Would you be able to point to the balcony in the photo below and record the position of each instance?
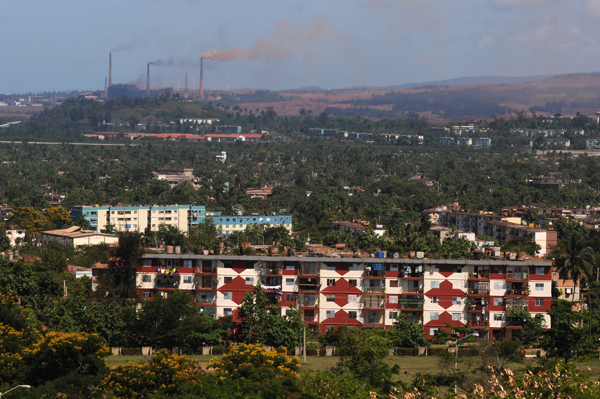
(374, 302)
(374, 274)
(478, 323)
(270, 271)
(478, 291)
(413, 317)
(206, 270)
(481, 275)
(517, 292)
(511, 275)
(308, 317)
(517, 306)
(412, 304)
(205, 283)
(314, 303)
(478, 307)
(205, 301)
(167, 282)
(515, 322)
(309, 284)
(367, 289)
(412, 275)
(309, 271)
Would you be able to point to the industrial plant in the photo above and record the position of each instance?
(131, 90)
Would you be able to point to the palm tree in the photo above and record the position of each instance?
(575, 260)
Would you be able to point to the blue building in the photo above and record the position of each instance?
(231, 224)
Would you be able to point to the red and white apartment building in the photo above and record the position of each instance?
(361, 292)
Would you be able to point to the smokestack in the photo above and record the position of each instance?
(148, 81)
(201, 78)
(109, 69)
(104, 84)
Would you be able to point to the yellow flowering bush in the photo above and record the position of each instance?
(165, 373)
(251, 368)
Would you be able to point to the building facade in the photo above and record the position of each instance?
(362, 292)
(184, 217)
(138, 217)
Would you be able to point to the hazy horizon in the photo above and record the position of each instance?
(285, 45)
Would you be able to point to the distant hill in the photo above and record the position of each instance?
(469, 81)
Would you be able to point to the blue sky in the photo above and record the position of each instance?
(63, 45)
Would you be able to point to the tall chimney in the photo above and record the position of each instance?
(148, 81)
(109, 69)
(201, 78)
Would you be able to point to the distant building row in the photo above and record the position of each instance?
(481, 142)
(184, 217)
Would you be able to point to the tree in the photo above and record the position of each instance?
(565, 338)
(4, 241)
(120, 281)
(57, 218)
(406, 334)
(253, 316)
(574, 259)
(567, 228)
(203, 235)
(366, 360)
(109, 229)
(533, 328)
(522, 244)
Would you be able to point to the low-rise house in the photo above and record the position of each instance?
(76, 236)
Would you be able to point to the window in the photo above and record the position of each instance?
(393, 299)
(539, 286)
(290, 281)
(147, 262)
(146, 279)
(187, 263)
(228, 296)
(539, 301)
(146, 294)
(331, 267)
(290, 267)
(290, 297)
(457, 269)
(539, 270)
(330, 298)
(352, 283)
(498, 270)
(394, 268)
(393, 315)
(353, 267)
(227, 312)
(330, 314)
(435, 269)
(330, 282)
(228, 280)
(434, 315)
(433, 331)
(435, 284)
(456, 316)
(187, 279)
(498, 301)
(435, 299)
(499, 285)
(456, 300)
(393, 283)
(352, 314)
(497, 316)
(249, 265)
(249, 280)
(228, 264)
(352, 298)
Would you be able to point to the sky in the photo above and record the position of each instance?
(284, 44)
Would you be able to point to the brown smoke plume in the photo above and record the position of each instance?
(284, 41)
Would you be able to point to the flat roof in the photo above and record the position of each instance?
(259, 258)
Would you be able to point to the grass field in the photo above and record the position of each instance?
(409, 365)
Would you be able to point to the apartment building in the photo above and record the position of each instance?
(362, 292)
(231, 224)
(499, 227)
(140, 217)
